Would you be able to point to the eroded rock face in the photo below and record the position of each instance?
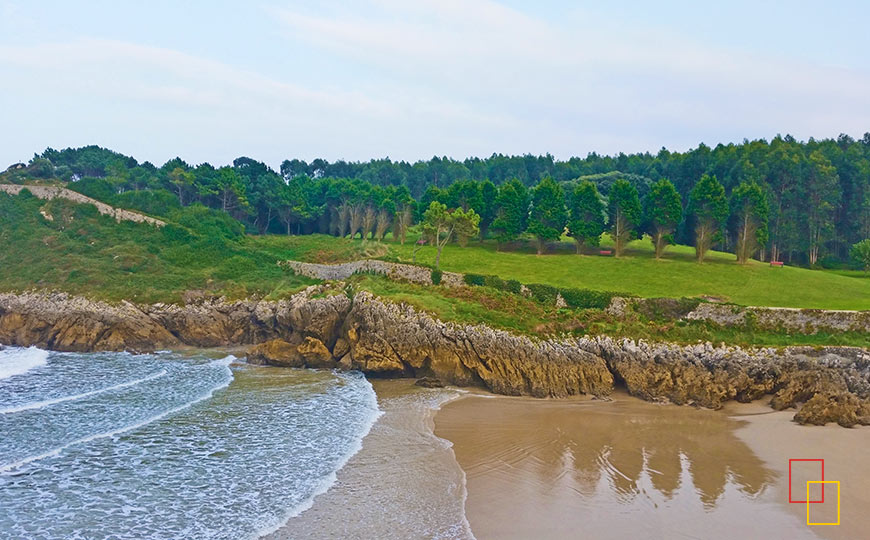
(708, 376)
(394, 339)
(68, 323)
(318, 329)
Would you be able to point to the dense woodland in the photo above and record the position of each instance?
(802, 202)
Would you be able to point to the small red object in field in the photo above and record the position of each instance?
(605, 252)
(776, 263)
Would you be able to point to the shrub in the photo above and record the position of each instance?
(587, 299)
(436, 277)
(158, 202)
(235, 267)
(513, 286)
(496, 283)
(208, 222)
(95, 188)
(666, 308)
(476, 280)
(543, 293)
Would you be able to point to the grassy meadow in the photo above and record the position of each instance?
(82, 252)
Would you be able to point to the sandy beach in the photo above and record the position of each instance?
(628, 468)
(404, 483)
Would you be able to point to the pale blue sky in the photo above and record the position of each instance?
(212, 80)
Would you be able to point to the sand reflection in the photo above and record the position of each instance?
(556, 462)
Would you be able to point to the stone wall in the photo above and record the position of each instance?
(407, 272)
(805, 321)
(53, 192)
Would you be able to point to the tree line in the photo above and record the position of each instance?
(799, 201)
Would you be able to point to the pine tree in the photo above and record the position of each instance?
(623, 211)
(586, 215)
(749, 214)
(709, 208)
(548, 216)
(662, 212)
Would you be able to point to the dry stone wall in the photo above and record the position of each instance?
(54, 192)
(407, 272)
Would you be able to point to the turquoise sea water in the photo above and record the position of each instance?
(114, 445)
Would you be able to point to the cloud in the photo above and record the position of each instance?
(410, 80)
(587, 68)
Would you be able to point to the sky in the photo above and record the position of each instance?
(409, 79)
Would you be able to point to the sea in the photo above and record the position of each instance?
(168, 445)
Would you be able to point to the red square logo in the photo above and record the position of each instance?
(822, 464)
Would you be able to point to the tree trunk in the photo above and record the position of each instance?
(579, 244)
(438, 256)
(540, 246)
(660, 240)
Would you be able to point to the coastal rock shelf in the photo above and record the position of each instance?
(321, 329)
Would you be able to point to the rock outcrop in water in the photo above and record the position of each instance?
(318, 328)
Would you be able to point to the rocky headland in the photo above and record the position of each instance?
(323, 327)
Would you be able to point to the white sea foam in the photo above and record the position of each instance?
(17, 361)
(55, 401)
(224, 362)
(327, 482)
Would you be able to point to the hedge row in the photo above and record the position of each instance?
(547, 294)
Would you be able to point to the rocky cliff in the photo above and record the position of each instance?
(319, 328)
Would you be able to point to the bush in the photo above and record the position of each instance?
(543, 293)
(436, 277)
(158, 202)
(513, 286)
(208, 223)
(95, 188)
(476, 280)
(496, 283)
(667, 309)
(235, 268)
(587, 299)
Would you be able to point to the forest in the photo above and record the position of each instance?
(805, 203)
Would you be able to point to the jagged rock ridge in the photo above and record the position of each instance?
(318, 328)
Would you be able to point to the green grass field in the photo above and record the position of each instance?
(82, 252)
(637, 273)
(676, 275)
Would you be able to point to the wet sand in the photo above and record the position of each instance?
(628, 468)
(403, 483)
(775, 439)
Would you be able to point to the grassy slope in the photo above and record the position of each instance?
(498, 309)
(82, 252)
(676, 275)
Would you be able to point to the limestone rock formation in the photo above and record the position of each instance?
(322, 327)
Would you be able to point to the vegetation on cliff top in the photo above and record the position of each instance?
(70, 247)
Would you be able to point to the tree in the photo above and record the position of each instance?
(585, 215)
(386, 210)
(487, 211)
(467, 225)
(230, 188)
(623, 213)
(183, 182)
(512, 211)
(404, 212)
(860, 253)
(749, 214)
(292, 206)
(709, 208)
(438, 226)
(662, 212)
(819, 194)
(547, 216)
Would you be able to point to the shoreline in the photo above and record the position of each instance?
(404, 482)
